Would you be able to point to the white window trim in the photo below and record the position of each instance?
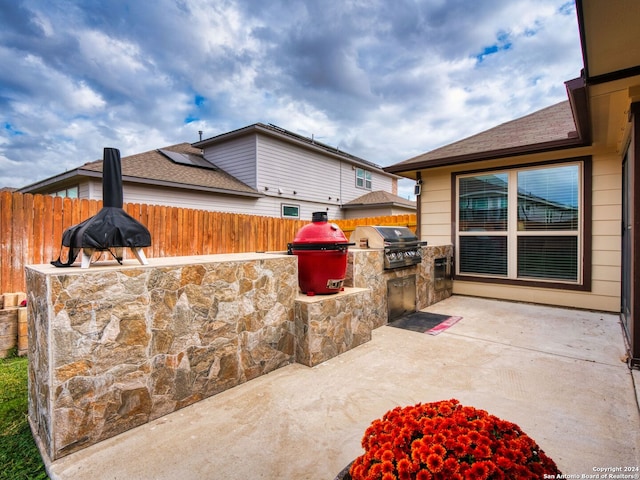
(289, 205)
(362, 174)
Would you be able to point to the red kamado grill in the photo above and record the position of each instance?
(321, 248)
(401, 246)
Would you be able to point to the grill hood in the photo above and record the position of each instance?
(111, 229)
(374, 236)
(401, 246)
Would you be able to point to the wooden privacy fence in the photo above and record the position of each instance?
(31, 228)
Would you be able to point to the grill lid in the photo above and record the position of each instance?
(319, 235)
(375, 236)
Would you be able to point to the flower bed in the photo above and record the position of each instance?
(446, 440)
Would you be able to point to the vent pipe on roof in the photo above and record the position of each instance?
(200, 133)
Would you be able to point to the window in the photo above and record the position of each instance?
(363, 178)
(71, 192)
(290, 211)
(522, 224)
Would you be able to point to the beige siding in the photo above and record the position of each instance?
(435, 223)
(601, 299)
(606, 217)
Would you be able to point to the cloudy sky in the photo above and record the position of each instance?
(381, 79)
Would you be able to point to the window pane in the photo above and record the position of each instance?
(291, 211)
(548, 199)
(548, 257)
(482, 202)
(483, 254)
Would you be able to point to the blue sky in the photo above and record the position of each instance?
(383, 80)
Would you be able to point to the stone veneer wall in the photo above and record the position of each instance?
(328, 325)
(113, 348)
(365, 269)
(430, 253)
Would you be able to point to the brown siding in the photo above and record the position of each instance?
(31, 228)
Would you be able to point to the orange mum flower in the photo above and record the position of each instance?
(424, 475)
(387, 456)
(434, 462)
(387, 467)
(481, 451)
(479, 471)
(449, 441)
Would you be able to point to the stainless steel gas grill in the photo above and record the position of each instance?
(401, 246)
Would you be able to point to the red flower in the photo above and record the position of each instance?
(438, 449)
(481, 451)
(474, 436)
(445, 440)
(479, 471)
(387, 467)
(459, 449)
(423, 475)
(387, 456)
(434, 462)
(504, 463)
(404, 475)
(404, 465)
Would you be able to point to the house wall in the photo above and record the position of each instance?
(313, 176)
(283, 173)
(154, 195)
(269, 205)
(237, 157)
(436, 228)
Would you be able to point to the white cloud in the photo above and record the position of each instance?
(383, 80)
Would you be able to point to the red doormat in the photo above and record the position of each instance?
(442, 326)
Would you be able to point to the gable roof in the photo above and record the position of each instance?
(281, 134)
(547, 129)
(378, 199)
(155, 168)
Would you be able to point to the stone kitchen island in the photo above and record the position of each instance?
(112, 347)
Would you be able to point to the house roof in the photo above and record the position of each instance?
(292, 138)
(155, 168)
(547, 129)
(379, 198)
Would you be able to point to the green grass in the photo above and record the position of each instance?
(19, 456)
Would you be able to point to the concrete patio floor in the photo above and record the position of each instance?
(558, 373)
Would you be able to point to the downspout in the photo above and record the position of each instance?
(419, 206)
(340, 188)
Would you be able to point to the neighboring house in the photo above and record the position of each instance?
(378, 203)
(259, 170)
(543, 208)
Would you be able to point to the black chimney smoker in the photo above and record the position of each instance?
(111, 229)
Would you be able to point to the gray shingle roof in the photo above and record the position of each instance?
(154, 167)
(378, 198)
(551, 127)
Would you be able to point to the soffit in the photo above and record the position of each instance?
(611, 52)
(609, 105)
(610, 39)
